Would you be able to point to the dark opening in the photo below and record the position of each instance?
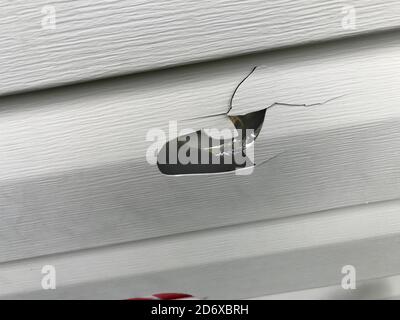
(216, 156)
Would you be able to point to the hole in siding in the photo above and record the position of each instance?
(211, 151)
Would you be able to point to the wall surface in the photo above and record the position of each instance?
(95, 39)
(77, 192)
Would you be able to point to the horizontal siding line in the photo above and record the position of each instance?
(73, 167)
(201, 256)
(101, 39)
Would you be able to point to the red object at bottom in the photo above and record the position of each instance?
(165, 296)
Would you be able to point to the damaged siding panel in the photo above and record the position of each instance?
(67, 41)
(264, 258)
(74, 172)
(130, 200)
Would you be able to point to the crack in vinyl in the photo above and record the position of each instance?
(220, 154)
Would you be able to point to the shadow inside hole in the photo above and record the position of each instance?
(199, 153)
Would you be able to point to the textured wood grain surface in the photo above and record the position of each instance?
(74, 173)
(386, 288)
(95, 39)
(233, 262)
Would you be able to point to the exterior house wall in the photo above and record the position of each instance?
(77, 192)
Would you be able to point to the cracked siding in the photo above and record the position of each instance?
(86, 178)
